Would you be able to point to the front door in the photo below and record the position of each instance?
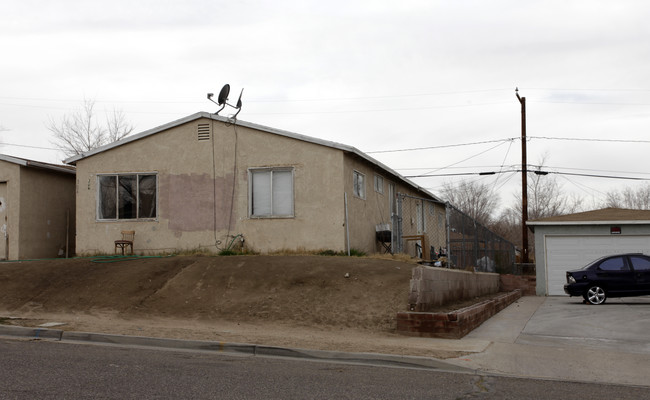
(4, 234)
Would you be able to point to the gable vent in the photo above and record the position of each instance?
(203, 131)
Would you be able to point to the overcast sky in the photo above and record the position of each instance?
(377, 75)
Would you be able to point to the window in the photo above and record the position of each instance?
(379, 184)
(613, 264)
(271, 192)
(128, 196)
(640, 263)
(359, 184)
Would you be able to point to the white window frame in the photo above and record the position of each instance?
(379, 184)
(271, 170)
(358, 189)
(137, 208)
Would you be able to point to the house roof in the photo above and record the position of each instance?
(605, 216)
(23, 162)
(309, 139)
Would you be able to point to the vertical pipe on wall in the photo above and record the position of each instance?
(67, 232)
(448, 241)
(347, 227)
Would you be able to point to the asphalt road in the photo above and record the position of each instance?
(56, 370)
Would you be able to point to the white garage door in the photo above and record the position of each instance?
(564, 253)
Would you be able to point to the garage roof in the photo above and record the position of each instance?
(605, 216)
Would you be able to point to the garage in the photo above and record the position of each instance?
(571, 241)
(564, 253)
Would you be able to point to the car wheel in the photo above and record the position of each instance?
(595, 295)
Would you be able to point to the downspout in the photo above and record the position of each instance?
(448, 242)
(67, 232)
(347, 226)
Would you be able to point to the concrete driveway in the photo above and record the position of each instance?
(621, 324)
(560, 338)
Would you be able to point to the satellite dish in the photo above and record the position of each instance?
(223, 94)
(222, 100)
(238, 106)
(239, 100)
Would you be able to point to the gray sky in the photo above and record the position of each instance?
(377, 75)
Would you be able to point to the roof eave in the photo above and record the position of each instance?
(73, 160)
(36, 164)
(610, 222)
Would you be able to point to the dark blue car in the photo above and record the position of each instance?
(619, 275)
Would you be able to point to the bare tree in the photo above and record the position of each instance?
(545, 199)
(638, 198)
(474, 199)
(81, 130)
(545, 196)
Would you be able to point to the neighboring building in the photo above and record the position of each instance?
(571, 241)
(37, 209)
(199, 181)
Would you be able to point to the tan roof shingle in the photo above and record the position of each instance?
(612, 215)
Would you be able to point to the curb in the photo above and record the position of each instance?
(233, 348)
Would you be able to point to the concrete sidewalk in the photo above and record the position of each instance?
(556, 338)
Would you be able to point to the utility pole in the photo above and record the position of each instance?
(524, 182)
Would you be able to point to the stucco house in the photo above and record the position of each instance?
(204, 182)
(572, 241)
(37, 209)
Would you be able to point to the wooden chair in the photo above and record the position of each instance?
(125, 242)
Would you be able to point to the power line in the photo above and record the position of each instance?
(600, 103)
(387, 96)
(440, 147)
(590, 139)
(27, 146)
(538, 172)
(506, 140)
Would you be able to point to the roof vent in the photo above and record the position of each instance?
(203, 131)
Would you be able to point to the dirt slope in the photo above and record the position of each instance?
(309, 291)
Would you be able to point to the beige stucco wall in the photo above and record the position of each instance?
(36, 209)
(365, 214)
(196, 192)
(47, 212)
(10, 174)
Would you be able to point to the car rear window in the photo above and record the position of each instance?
(614, 264)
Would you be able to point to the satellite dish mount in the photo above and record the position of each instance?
(222, 100)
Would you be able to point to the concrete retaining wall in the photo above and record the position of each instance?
(526, 283)
(455, 324)
(431, 286)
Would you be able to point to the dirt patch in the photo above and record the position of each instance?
(330, 303)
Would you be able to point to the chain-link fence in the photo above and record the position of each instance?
(437, 231)
(472, 245)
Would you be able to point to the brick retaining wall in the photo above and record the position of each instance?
(455, 324)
